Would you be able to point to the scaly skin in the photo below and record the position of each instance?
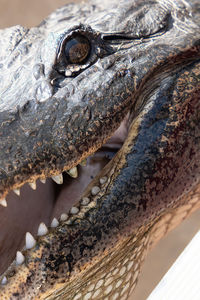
(49, 123)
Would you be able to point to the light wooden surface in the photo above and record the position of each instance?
(182, 279)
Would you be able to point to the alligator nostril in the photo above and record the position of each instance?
(43, 90)
(38, 71)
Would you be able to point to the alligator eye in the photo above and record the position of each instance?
(77, 49)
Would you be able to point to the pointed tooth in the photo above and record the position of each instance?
(68, 73)
(63, 217)
(19, 258)
(30, 241)
(42, 229)
(33, 185)
(3, 202)
(4, 280)
(54, 223)
(58, 179)
(74, 210)
(43, 180)
(73, 172)
(95, 190)
(85, 201)
(103, 180)
(83, 163)
(17, 192)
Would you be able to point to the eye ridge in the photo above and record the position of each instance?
(77, 49)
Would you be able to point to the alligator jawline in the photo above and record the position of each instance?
(51, 201)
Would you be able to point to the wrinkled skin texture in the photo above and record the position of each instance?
(145, 60)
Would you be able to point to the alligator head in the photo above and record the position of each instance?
(116, 86)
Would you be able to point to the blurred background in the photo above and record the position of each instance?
(30, 13)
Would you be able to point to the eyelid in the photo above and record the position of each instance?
(69, 68)
(98, 49)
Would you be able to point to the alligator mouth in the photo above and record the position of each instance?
(51, 201)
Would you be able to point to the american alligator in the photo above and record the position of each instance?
(115, 85)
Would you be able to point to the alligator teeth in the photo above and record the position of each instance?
(3, 202)
(33, 185)
(43, 180)
(95, 190)
(42, 229)
(83, 163)
(54, 223)
(19, 258)
(103, 180)
(58, 179)
(73, 172)
(63, 217)
(17, 192)
(30, 241)
(68, 73)
(85, 201)
(74, 210)
(4, 280)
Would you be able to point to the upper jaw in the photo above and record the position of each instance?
(41, 137)
(52, 121)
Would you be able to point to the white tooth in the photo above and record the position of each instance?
(103, 180)
(95, 190)
(43, 180)
(74, 210)
(30, 241)
(42, 229)
(4, 280)
(17, 192)
(3, 202)
(58, 179)
(19, 258)
(54, 223)
(68, 73)
(33, 185)
(73, 172)
(63, 217)
(85, 201)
